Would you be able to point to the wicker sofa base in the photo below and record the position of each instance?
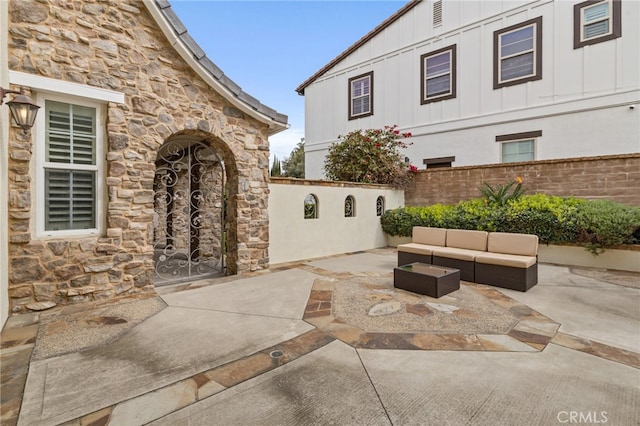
(501, 259)
(520, 279)
(405, 258)
(466, 267)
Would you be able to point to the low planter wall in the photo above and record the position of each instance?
(395, 241)
(617, 259)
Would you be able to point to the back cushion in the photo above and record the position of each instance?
(465, 239)
(520, 244)
(429, 236)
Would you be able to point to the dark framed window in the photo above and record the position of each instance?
(595, 21)
(380, 202)
(439, 162)
(361, 96)
(517, 53)
(311, 207)
(518, 147)
(350, 206)
(438, 75)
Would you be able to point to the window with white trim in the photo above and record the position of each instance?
(595, 21)
(518, 53)
(516, 151)
(438, 71)
(70, 167)
(361, 96)
(518, 146)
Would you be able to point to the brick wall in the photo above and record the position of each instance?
(614, 177)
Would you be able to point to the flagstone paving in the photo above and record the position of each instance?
(368, 312)
(316, 342)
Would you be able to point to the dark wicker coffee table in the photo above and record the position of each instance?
(430, 280)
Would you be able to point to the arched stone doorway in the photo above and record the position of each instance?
(189, 226)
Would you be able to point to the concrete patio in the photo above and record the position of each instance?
(329, 341)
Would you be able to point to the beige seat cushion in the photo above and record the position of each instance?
(429, 236)
(467, 239)
(520, 244)
(417, 248)
(511, 260)
(456, 253)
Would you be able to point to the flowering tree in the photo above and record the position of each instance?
(370, 156)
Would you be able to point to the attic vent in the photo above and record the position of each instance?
(437, 13)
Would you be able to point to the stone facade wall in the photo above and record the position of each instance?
(615, 177)
(116, 45)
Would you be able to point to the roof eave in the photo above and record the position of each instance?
(191, 52)
(407, 7)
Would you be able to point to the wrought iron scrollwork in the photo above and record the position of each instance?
(349, 206)
(188, 224)
(380, 206)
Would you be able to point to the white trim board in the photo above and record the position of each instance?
(52, 85)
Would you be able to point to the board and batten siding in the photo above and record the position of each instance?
(581, 104)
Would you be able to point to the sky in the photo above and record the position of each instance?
(270, 47)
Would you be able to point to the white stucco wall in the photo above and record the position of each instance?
(581, 104)
(4, 177)
(292, 237)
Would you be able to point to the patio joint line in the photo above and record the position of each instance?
(231, 312)
(386, 413)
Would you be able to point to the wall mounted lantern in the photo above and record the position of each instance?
(22, 108)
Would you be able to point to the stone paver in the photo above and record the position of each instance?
(238, 350)
(328, 386)
(587, 307)
(367, 312)
(176, 343)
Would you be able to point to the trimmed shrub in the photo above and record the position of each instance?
(603, 223)
(400, 221)
(471, 214)
(551, 218)
(594, 224)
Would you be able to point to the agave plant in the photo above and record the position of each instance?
(499, 195)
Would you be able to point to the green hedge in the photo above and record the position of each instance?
(594, 224)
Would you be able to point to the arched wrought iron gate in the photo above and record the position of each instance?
(188, 226)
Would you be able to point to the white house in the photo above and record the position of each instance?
(483, 82)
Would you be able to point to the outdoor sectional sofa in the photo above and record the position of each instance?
(499, 259)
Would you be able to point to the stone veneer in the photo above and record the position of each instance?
(117, 45)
